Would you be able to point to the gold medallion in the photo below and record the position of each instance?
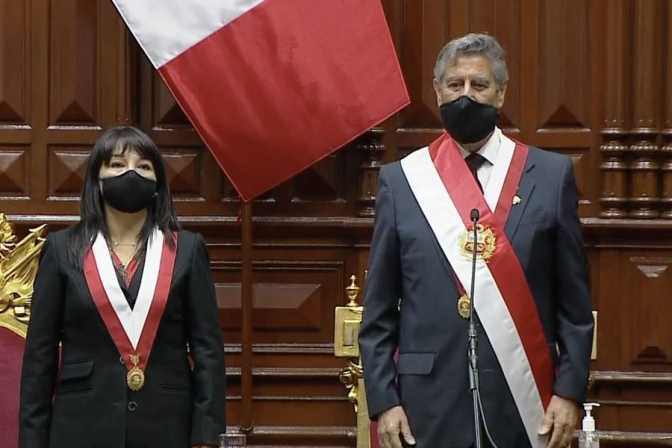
(485, 246)
(464, 306)
(135, 378)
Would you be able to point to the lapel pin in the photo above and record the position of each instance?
(516, 200)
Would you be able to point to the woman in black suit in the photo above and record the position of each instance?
(130, 298)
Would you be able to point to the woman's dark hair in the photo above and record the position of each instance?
(160, 214)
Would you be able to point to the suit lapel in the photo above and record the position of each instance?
(524, 192)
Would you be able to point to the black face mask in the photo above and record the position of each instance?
(129, 192)
(468, 121)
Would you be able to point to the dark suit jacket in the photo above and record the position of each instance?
(92, 405)
(407, 262)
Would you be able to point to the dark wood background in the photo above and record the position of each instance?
(589, 78)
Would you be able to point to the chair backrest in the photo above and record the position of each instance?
(18, 266)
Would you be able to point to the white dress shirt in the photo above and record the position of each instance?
(489, 152)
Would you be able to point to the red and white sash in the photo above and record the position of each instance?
(446, 192)
(133, 330)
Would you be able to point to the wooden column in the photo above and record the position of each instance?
(247, 297)
(646, 95)
(372, 150)
(614, 178)
(667, 126)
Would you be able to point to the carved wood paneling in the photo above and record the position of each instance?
(73, 82)
(67, 170)
(183, 168)
(556, 80)
(293, 300)
(13, 171)
(424, 32)
(322, 182)
(640, 399)
(564, 65)
(614, 168)
(166, 111)
(667, 125)
(13, 61)
(372, 150)
(651, 283)
(646, 108)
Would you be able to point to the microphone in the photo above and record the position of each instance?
(474, 385)
(473, 338)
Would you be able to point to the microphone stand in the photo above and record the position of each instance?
(473, 340)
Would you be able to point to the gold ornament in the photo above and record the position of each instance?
(135, 377)
(485, 247)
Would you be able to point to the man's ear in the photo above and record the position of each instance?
(501, 94)
(437, 90)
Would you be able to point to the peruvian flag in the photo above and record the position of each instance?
(272, 86)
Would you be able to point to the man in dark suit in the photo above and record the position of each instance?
(532, 302)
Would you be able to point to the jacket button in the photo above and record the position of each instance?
(132, 406)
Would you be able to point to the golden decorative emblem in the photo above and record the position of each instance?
(464, 306)
(18, 266)
(135, 377)
(485, 247)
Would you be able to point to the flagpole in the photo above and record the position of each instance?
(246, 307)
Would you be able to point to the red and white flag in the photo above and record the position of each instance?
(272, 86)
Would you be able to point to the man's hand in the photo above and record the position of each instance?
(560, 421)
(390, 424)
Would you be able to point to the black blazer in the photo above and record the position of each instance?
(92, 406)
(407, 262)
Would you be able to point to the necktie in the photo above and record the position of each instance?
(474, 162)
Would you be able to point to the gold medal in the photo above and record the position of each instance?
(464, 306)
(135, 378)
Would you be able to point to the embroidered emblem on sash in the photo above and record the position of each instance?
(485, 246)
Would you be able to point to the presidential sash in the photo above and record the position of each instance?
(446, 192)
(133, 330)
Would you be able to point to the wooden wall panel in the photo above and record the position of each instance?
(666, 197)
(183, 168)
(646, 105)
(589, 79)
(616, 121)
(293, 299)
(422, 37)
(564, 67)
(13, 61)
(13, 170)
(647, 276)
(72, 82)
(67, 170)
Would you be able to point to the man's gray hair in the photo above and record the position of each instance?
(474, 43)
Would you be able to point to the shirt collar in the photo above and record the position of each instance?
(489, 150)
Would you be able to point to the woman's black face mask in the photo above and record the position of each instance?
(129, 192)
